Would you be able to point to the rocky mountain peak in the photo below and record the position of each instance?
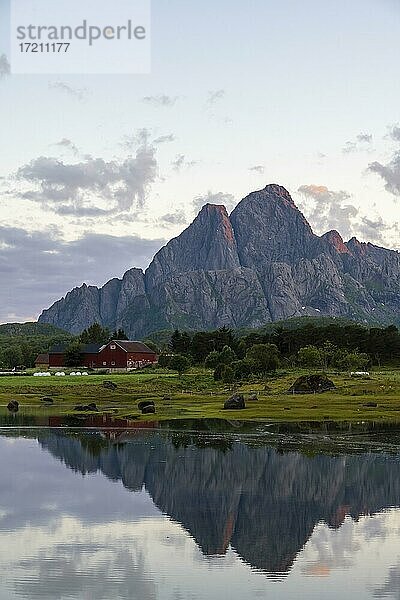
(279, 192)
(261, 263)
(334, 238)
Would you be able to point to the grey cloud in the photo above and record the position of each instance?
(361, 143)
(214, 96)
(331, 210)
(163, 139)
(40, 266)
(365, 138)
(73, 188)
(68, 144)
(181, 163)
(68, 89)
(395, 133)
(260, 169)
(161, 100)
(5, 68)
(227, 200)
(389, 172)
(174, 218)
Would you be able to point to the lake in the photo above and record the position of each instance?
(199, 511)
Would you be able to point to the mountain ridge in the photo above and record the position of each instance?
(261, 263)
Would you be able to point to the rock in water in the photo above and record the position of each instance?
(235, 402)
(13, 406)
(311, 384)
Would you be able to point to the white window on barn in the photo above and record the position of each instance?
(113, 363)
(113, 347)
(104, 364)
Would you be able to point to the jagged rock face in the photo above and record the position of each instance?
(262, 263)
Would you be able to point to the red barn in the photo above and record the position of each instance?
(121, 354)
(117, 354)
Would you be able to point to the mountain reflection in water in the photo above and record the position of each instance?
(229, 494)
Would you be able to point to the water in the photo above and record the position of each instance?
(124, 513)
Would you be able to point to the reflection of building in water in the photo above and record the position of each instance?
(262, 503)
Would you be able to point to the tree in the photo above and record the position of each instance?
(12, 357)
(212, 360)
(164, 360)
(228, 374)
(309, 356)
(119, 334)
(150, 344)
(95, 334)
(180, 342)
(179, 363)
(227, 355)
(265, 358)
(73, 354)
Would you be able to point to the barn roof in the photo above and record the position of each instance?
(85, 348)
(132, 346)
(42, 359)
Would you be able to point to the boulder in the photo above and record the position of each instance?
(13, 406)
(87, 407)
(235, 402)
(143, 403)
(371, 404)
(311, 384)
(47, 400)
(109, 385)
(150, 409)
(253, 397)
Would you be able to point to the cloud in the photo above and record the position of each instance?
(328, 210)
(78, 188)
(389, 172)
(227, 200)
(5, 68)
(163, 139)
(161, 100)
(181, 163)
(174, 218)
(40, 266)
(214, 96)
(395, 133)
(260, 169)
(68, 144)
(362, 143)
(68, 89)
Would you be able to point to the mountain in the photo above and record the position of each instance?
(259, 264)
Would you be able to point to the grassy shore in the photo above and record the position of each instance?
(196, 395)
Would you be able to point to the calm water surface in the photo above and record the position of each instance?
(158, 514)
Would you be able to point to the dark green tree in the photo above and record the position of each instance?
(73, 354)
(179, 363)
(95, 334)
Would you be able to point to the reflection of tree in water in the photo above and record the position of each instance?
(263, 502)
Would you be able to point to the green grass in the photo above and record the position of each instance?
(196, 395)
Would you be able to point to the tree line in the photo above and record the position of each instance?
(343, 347)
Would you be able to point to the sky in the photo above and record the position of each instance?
(98, 171)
